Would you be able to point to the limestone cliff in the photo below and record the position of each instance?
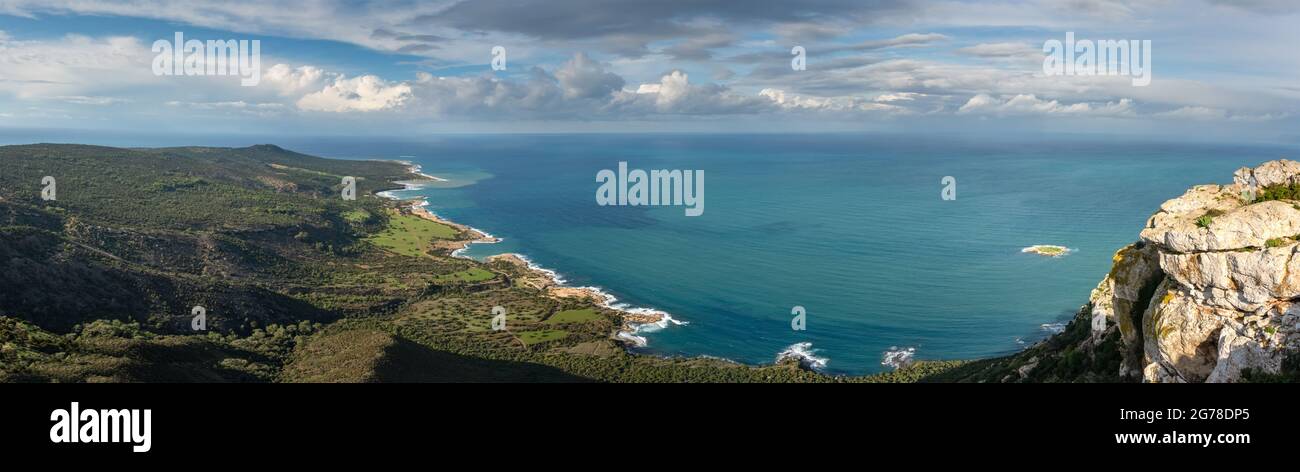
(1210, 292)
(1212, 287)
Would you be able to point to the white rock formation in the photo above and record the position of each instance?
(1227, 274)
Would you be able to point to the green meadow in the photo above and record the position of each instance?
(410, 235)
(469, 275)
(574, 316)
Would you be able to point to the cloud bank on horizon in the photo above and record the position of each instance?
(596, 65)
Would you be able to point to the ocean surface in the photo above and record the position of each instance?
(851, 227)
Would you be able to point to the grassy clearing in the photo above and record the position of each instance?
(410, 235)
(471, 275)
(536, 337)
(305, 171)
(356, 216)
(574, 316)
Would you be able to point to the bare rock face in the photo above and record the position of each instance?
(1227, 229)
(1120, 299)
(1279, 172)
(1207, 291)
(1245, 280)
(1181, 334)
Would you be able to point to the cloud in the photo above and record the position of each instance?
(73, 66)
(898, 97)
(906, 40)
(1195, 113)
(291, 81)
(588, 18)
(834, 104)
(1004, 50)
(1200, 113)
(241, 107)
(1028, 104)
(675, 94)
(581, 77)
(943, 57)
(97, 101)
(364, 93)
(626, 27)
(1263, 7)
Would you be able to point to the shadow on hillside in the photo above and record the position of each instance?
(407, 361)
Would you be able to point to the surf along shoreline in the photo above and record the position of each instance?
(637, 321)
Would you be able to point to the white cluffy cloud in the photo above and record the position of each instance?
(365, 93)
(292, 81)
(799, 102)
(1028, 104)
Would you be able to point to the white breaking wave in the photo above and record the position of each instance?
(805, 354)
(555, 276)
(1053, 328)
(665, 319)
(487, 238)
(897, 357)
(406, 187)
(417, 170)
(610, 301)
(638, 341)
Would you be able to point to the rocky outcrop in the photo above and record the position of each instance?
(1212, 288)
(1121, 298)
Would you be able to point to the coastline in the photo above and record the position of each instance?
(636, 320)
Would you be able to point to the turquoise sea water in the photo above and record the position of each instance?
(852, 228)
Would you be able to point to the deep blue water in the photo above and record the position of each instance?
(850, 227)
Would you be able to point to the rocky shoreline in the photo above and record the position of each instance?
(634, 320)
(453, 247)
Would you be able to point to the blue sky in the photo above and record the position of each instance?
(1219, 69)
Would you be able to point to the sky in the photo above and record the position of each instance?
(1219, 69)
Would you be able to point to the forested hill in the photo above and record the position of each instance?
(191, 188)
(147, 234)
